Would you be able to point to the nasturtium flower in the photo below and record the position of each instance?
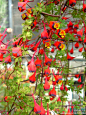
(56, 25)
(62, 33)
(29, 10)
(62, 47)
(47, 44)
(60, 82)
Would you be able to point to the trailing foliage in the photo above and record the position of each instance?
(44, 90)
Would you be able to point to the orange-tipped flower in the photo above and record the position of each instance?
(54, 25)
(61, 33)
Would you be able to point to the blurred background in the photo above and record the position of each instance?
(10, 17)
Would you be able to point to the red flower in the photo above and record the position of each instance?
(1, 57)
(80, 33)
(85, 31)
(52, 92)
(57, 77)
(64, 8)
(3, 50)
(46, 85)
(36, 46)
(56, 2)
(70, 25)
(34, 24)
(42, 109)
(65, 18)
(16, 51)
(76, 26)
(69, 57)
(47, 71)
(37, 108)
(38, 63)
(76, 45)
(41, 51)
(72, 2)
(84, 6)
(32, 78)
(76, 75)
(54, 25)
(85, 40)
(7, 59)
(22, 6)
(59, 45)
(44, 34)
(17, 42)
(71, 51)
(79, 80)
(32, 66)
(5, 99)
(63, 113)
(80, 50)
(62, 87)
(51, 98)
(61, 33)
(48, 78)
(47, 60)
(59, 99)
(66, 88)
(54, 82)
(52, 50)
(80, 86)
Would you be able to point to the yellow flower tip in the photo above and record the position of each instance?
(56, 25)
(62, 46)
(47, 44)
(62, 33)
(29, 10)
(24, 16)
(60, 82)
(62, 36)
